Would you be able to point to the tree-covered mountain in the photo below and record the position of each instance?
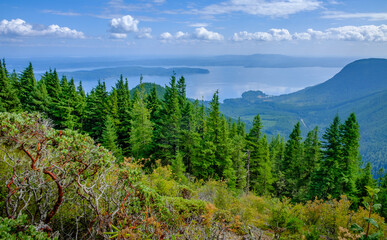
(360, 87)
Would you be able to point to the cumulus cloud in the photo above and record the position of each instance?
(118, 35)
(124, 24)
(199, 34)
(203, 34)
(370, 16)
(274, 8)
(370, 33)
(120, 27)
(272, 35)
(20, 28)
(144, 33)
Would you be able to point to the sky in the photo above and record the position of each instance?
(148, 28)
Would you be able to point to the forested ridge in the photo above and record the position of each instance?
(182, 170)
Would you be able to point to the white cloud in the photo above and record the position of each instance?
(166, 36)
(118, 35)
(198, 25)
(19, 27)
(370, 33)
(124, 24)
(144, 33)
(203, 34)
(60, 13)
(128, 24)
(272, 35)
(370, 16)
(199, 34)
(274, 8)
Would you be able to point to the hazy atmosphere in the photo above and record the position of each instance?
(168, 28)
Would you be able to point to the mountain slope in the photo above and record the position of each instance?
(360, 87)
(357, 79)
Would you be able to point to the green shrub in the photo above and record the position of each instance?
(15, 229)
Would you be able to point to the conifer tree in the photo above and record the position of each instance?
(8, 96)
(326, 180)
(237, 148)
(350, 156)
(265, 178)
(27, 92)
(312, 156)
(168, 128)
(96, 111)
(277, 153)
(109, 137)
(124, 106)
(141, 127)
(292, 166)
(253, 148)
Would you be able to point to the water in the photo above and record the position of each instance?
(230, 81)
(233, 81)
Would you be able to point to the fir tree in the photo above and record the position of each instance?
(27, 92)
(293, 164)
(141, 127)
(109, 137)
(8, 96)
(350, 156)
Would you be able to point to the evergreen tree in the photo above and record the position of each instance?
(365, 179)
(253, 146)
(326, 180)
(312, 156)
(96, 111)
(277, 153)
(141, 127)
(27, 92)
(293, 163)
(350, 156)
(123, 104)
(237, 148)
(168, 128)
(9, 100)
(109, 137)
(265, 178)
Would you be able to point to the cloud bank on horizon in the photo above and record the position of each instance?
(120, 27)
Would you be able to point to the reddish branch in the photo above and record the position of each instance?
(31, 157)
(60, 196)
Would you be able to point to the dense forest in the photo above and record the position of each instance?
(134, 164)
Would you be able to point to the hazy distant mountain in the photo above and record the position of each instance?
(360, 87)
(357, 79)
(255, 60)
(129, 71)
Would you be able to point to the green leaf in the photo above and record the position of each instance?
(372, 221)
(376, 207)
(356, 228)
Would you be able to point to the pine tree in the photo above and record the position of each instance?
(237, 148)
(124, 106)
(265, 178)
(27, 91)
(8, 96)
(96, 111)
(168, 128)
(253, 148)
(326, 180)
(109, 137)
(312, 156)
(293, 162)
(141, 127)
(277, 153)
(350, 156)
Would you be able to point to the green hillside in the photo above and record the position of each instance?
(360, 87)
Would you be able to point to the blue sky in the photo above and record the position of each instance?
(143, 28)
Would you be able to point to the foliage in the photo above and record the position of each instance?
(18, 228)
